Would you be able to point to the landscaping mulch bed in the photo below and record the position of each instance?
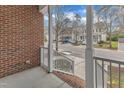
(72, 80)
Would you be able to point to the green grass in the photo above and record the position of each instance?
(114, 44)
(105, 45)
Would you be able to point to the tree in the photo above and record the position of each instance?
(60, 21)
(76, 24)
(65, 29)
(110, 17)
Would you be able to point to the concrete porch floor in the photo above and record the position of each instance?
(32, 78)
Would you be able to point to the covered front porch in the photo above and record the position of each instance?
(33, 78)
(97, 73)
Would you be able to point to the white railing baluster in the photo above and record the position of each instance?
(110, 75)
(102, 73)
(96, 72)
(119, 76)
(63, 63)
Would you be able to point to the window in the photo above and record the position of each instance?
(99, 30)
(100, 37)
(94, 38)
(81, 37)
(96, 30)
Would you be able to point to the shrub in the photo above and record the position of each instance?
(100, 42)
(115, 37)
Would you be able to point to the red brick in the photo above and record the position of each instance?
(21, 35)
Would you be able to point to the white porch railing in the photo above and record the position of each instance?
(63, 63)
(60, 62)
(108, 73)
(44, 57)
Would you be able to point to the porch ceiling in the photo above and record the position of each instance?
(43, 9)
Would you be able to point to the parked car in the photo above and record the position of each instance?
(66, 40)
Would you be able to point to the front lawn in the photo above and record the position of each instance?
(105, 45)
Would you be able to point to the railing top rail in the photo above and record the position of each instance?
(59, 53)
(109, 60)
(64, 56)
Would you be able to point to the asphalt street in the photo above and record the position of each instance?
(79, 51)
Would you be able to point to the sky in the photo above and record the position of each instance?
(79, 9)
(76, 9)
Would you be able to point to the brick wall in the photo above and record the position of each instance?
(21, 35)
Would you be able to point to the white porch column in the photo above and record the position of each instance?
(89, 64)
(50, 47)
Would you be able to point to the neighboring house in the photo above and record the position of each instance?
(99, 34)
(66, 35)
(21, 36)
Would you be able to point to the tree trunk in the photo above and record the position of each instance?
(76, 36)
(76, 39)
(56, 41)
(110, 38)
(62, 38)
(110, 41)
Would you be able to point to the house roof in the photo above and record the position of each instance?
(100, 25)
